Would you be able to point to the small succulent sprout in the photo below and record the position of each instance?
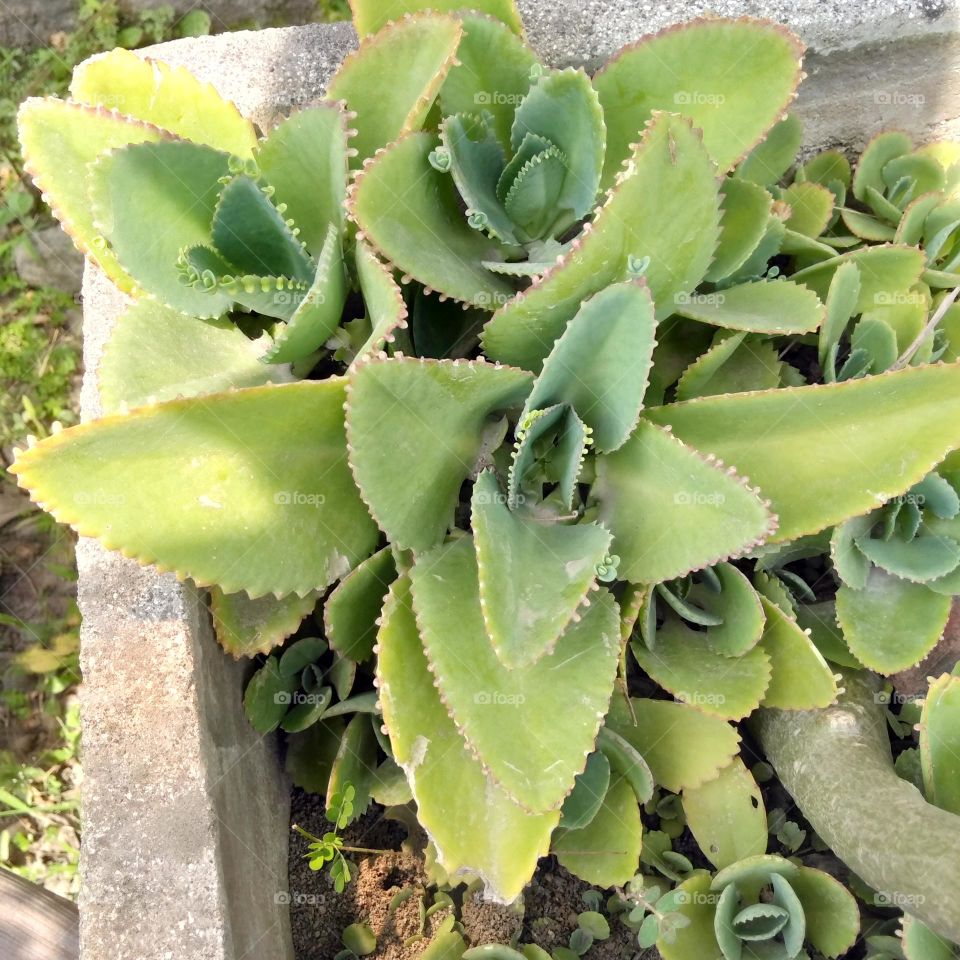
(607, 568)
(440, 159)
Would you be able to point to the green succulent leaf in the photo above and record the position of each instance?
(628, 762)
(354, 765)
(494, 71)
(370, 15)
(244, 481)
(766, 164)
(169, 96)
(562, 107)
(733, 364)
(692, 899)
(683, 746)
(151, 200)
(415, 430)
(533, 575)
(737, 605)
(600, 364)
(533, 752)
(746, 210)
(734, 99)
(878, 153)
(351, 611)
(317, 315)
(477, 827)
(243, 214)
(534, 194)
(891, 624)
(156, 353)
(727, 817)
(831, 911)
(410, 212)
(801, 678)
(477, 162)
(672, 511)
(304, 159)
(383, 299)
(819, 620)
(850, 468)
(606, 852)
(811, 206)
(426, 45)
(246, 627)
(926, 557)
(665, 207)
(764, 306)
(683, 663)
(267, 697)
(311, 754)
(922, 943)
(940, 743)
(883, 272)
(588, 794)
(59, 140)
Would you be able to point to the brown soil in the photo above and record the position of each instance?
(318, 915)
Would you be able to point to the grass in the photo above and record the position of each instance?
(40, 772)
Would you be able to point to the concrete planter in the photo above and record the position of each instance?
(186, 809)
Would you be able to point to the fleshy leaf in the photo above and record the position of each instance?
(683, 746)
(410, 212)
(534, 194)
(665, 207)
(891, 624)
(683, 663)
(811, 206)
(354, 764)
(587, 796)
(738, 605)
(940, 743)
(318, 313)
(765, 306)
(923, 558)
(415, 430)
(733, 364)
(533, 752)
(168, 96)
(727, 817)
(820, 619)
(475, 825)
(533, 575)
(601, 363)
(801, 679)
(606, 852)
(386, 309)
(246, 627)
(370, 15)
(831, 911)
(773, 157)
(746, 209)
(245, 481)
(851, 466)
(59, 139)
(922, 943)
(156, 353)
(351, 611)
(425, 45)
(734, 99)
(671, 511)
(693, 901)
(152, 200)
(493, 74)
(304, 159)
(563, 108)
(311, 753)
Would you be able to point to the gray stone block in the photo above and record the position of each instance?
(185, 809)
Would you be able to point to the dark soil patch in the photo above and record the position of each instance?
(319, 915)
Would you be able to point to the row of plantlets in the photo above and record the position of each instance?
(572, 432)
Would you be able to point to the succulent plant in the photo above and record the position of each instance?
(697, 462)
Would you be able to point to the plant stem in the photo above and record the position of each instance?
(931, 325)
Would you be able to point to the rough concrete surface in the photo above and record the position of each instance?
(185, 809)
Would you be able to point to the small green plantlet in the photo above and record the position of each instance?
(536, 433)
